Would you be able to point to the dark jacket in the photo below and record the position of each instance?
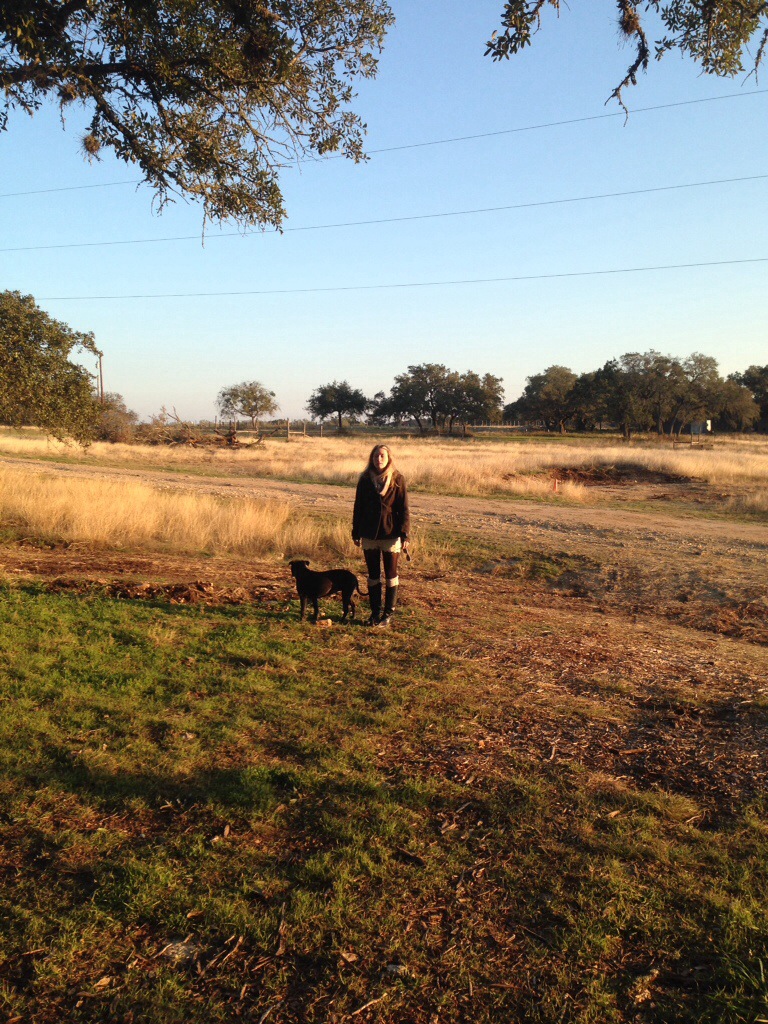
(381, 518)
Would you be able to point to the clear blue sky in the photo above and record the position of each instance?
(433, 83)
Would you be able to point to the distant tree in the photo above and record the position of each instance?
(699, 395)
(547, 396)
(475, 398)
(383, 409)
(39, 384)
(209, 99)
(425, 393)
(588, 402)
(658, 380)
(622, 387)
(756, 379)
(714, 35)
(339, 399)
(249, 399)
(738, 408)
(116, 423)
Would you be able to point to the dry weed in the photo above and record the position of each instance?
(120, 514)
(440, 465)
(134, 515)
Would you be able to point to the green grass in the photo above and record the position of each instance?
(206, 814)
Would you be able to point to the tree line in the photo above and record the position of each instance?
(645, 391)
(430, 394)
(638, 392)
(40, 385)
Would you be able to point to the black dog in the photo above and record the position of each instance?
(314, 585)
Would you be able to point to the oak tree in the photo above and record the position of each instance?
(40, 385)
(547, 396)
(756, 379)
(210, 98)
(250, 399)
(716, 36)
(337, 399)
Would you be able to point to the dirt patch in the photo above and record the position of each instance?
(644, 703)
(689, 598)
(197, 592)
(612, 476)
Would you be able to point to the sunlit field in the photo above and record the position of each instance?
(521, 466)
(134, 515)
(131, 515)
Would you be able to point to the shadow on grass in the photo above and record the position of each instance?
(252, 788)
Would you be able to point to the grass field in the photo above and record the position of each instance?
(542, 797)
(519, 467)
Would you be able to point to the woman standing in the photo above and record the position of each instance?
(380, 522)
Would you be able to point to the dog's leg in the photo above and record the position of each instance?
(348, 597)
(303, 600)
(317, 608)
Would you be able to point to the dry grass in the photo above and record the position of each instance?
(514, 467)
(128, 515)
(133, 515)
(754, 502)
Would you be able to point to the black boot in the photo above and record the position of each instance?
(389, 606)
(374, 596)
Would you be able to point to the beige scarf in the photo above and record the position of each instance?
(383, 481)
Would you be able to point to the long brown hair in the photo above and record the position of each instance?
(381, 479)
(370, 468)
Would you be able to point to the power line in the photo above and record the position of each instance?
(398, 220)
(408, 284)
(558, 124)
(440, 142)
(71, 188)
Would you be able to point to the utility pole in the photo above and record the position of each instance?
(101, 380)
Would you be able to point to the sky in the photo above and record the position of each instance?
(362, 303)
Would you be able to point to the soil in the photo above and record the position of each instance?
(623, 476)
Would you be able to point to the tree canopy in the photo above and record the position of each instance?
(639, 391)
(339, 399)
(714, 35)
(755, 378)
(434, 396)
(117, 423)
(39, 384)
(249, 399)
(208, 98)
(211, 98)
(547, 396)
